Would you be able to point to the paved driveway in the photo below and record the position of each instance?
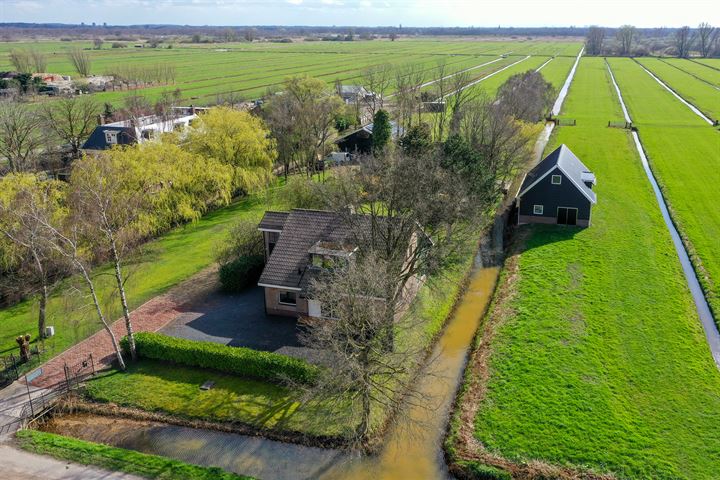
(238, 320)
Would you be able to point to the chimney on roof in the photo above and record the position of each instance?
(192, 109)
(101, 119)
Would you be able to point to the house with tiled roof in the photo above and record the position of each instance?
(300, 245)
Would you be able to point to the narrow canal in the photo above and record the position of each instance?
(412, 450)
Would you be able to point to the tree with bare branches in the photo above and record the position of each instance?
(108, 205)
(626, 37)
(80, 60)
(526, 96)
(20, 136)
(72, 120)
(705, 36)
(594, 40)
(365, 374)
(20, 60)
(683, 41)
(377, 80)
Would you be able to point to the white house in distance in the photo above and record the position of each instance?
(139, 130)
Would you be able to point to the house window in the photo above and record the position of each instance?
(537, 209)
(111, 138)
(288, 298)
(556, 179)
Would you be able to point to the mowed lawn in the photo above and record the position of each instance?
(159, 265)
(598, 360)
(684, 152)
(704, 96)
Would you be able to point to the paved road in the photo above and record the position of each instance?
(21, 465)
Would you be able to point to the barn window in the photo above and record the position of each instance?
(556, 179)
(111, 137)
(537, 209)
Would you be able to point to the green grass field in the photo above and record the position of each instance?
(696, 68)
(206, 71)
(598, 360)
(684, 153)
(704, 96)
(117, 459)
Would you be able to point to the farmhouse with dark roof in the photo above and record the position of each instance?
(557, 191)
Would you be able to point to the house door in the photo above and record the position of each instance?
(567, 216)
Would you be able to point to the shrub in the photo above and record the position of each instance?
(241, 273)
(237, 360)
(480, 471)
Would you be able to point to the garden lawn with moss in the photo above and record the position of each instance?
(594, 353)
(117, 459)
(684, 153)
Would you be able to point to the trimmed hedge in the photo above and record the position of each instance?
(241, 273)
(238, 360)
(118, 459)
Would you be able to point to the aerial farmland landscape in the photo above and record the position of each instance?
(359, 240)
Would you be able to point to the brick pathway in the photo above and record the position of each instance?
(149, 317)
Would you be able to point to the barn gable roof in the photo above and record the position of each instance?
(565, 160)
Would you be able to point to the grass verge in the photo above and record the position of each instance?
(117, 459)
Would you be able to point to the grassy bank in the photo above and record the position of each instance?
(117, 459)
(683, 152)
(593, 358)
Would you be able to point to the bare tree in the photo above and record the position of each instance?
(249, 34)
(66, 239)
(364, 373)
(458, 97)
(23, 215)
(20, 136)
(626, 37)
(21, 60)
(80, 60)
(705, 34)
(107, 210)
(98, 43)
(39, 60)
(377, 80)
(312, 109)
(488, 148)
(408, 82)
(526, 96)
(683, 41)
(594, 40)
(72, 120)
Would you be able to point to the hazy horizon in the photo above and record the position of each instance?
(364, 13)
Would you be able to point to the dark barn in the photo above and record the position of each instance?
(557, 191)
(360, 140)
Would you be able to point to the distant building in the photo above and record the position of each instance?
(360, 140)
(557, 191)
(130, 132)
(354, 94)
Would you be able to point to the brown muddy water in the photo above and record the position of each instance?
(411, 451)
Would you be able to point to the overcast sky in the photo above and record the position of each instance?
(520, 13)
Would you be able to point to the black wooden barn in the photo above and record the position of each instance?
(557, 191)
